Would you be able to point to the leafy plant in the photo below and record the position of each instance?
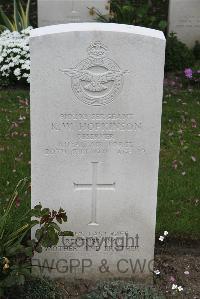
(122, 289)
(126, 12)
(16, 247)
(20, 19)
(178, 55)
(38, 287)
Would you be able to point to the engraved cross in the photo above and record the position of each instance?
(94, 187)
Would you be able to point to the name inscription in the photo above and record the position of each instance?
(95, 134)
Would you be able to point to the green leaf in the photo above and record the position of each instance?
(15, 249)
(23, 16)
(33, 223)
(28, 251)
(27, 13)
(21, 280)
(35, 213)
(6, 20)
(38, 249)
(31, 243)
(38, 233)
(19, 233)
(55, 226)
(38, 207)
(17, 17)
(59, 220)
(2, 28)
(45, 211)
(64, 217)
(50, 238)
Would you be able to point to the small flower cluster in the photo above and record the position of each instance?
(15, 55)
(192, 75)
(177, 288)
(161, 238)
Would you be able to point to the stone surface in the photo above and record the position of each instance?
(53, 12)
(96, 98)
(184, 20)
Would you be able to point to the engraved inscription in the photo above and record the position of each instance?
(96, 80)
(97, 133)
(189, 21)
(94, 187)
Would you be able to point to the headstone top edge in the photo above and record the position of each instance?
(64, 28)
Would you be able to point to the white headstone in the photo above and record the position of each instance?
(184, 20)
(96, 98)
(53, 12)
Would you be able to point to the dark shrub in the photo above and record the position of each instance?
(178, 55)
(196, 50)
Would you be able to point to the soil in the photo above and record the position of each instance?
(182, 270)
(178, 263)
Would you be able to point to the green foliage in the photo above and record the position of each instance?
(37, 288)
(196, 50)
(20, 19)
(49, 231)
(15, 247)
(122, 289)
(12, 272)
(4, 82)
(178, 206)
(126, 12)
(178, 55)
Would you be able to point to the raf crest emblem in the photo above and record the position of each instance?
(96, 80)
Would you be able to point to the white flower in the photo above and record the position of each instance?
(161, 238)
(166, 233)
(17, 72)
(180, 288)
(14, 54)
(174, 286)
(11, 64)
(25, 75)
(157, 272)
(186, 272)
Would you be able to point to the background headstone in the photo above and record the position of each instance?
(184, 20)
(53, 12)
(96, 98)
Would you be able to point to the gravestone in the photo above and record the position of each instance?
(96, 98)
(184, 20)
(53, 12)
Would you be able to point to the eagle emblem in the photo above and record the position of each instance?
(96, 80)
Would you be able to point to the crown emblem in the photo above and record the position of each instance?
(97, 50)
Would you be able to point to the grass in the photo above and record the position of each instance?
(14, 144)
(179, 175)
